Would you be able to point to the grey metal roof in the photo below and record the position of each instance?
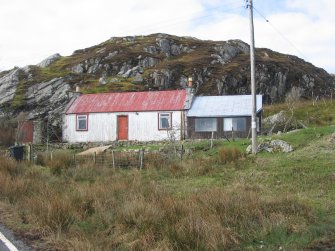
(223, 106)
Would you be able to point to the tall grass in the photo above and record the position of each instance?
(124, 210)
(219, 202)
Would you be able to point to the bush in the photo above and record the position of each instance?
(57, 161)
(7, 136)
(227, 155)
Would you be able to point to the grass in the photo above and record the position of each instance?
(203, 203)
(312, 113)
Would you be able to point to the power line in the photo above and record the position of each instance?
(281, 34)
(180, 20)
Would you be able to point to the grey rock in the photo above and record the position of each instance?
(225, 52)
(148, 62)
(138, 79)
(115, 80)
(49, 60)
(151, 49)
(175, 50)
(129, 38)
(277, 118)
(93, 65)
(8, 85)
(47, 97)
(186, 49)
(242, 46)
(133, 72)
(103, 80)
(272, 146)
(124, 68)
(79, 68)
(164, 45)
(111, 55)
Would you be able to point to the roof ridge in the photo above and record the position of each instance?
(178, 90)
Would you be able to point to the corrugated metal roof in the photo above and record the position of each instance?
(129, 101)
(223, 106)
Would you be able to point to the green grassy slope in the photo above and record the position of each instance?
(215, 199)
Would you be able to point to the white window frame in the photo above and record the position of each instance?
(79, 118)
(164, 115)
(229, 122)
(201, 123)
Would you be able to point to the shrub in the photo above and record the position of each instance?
(7, 136)
(56, 161)
(227, 155)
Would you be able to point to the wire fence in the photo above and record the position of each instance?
(139, 158)
(113, 159)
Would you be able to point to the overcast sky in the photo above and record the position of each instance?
(33, 30)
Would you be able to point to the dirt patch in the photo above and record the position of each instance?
(96, 150)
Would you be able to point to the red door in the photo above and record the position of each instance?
(122, 127)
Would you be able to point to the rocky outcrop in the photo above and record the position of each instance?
(158, 62)
(8, 85)
(49, 60)
(272, 146)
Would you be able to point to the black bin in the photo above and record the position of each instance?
(17, 152)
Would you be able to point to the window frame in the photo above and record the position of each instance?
(77, 122)
(232, 123)
(198, 119)
(169, 119)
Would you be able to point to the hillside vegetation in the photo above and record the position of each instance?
(217, 199)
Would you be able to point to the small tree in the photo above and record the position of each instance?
(20, 134)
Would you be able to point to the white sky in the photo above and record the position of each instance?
(32, 30)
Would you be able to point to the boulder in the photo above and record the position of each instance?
(103, 80)
(138, 79)
(49, 60)
(272, 146)
(277, 118)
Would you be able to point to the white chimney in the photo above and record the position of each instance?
(190, 82)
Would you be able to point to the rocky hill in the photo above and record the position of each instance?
(156, 62)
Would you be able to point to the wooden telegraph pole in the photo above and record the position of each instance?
(253, 84)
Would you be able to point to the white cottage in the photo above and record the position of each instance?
(141, 116)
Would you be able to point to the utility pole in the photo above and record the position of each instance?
(253, 84)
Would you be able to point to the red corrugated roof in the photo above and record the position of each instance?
(129, 101)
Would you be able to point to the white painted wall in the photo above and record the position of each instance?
(142, 126)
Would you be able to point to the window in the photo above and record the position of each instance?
(82, 122)
(164, 122)
(205, 125)
(234, 124)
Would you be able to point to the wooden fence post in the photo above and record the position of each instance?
(181, 152)
(74, 159)
(29, 154)
(212, 140)
(113, 160)
(141, 158)
(95, 158)
(51, 157)
(331, 97)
